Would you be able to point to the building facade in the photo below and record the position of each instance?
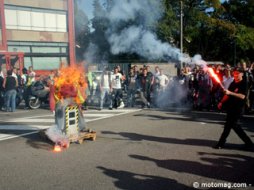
(37, 33)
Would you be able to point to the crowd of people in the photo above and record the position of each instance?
(139, 86)
(17, 86)
(12, 83)
(205, 92)
(194, 87)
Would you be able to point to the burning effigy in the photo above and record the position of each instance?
(69, 93)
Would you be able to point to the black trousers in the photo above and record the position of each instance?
(27, 93)
(232, 123)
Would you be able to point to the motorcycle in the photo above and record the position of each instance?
(20, 95)
(38, 95)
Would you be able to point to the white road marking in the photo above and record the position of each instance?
(89, 116)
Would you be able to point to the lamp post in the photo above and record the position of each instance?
(181, 34)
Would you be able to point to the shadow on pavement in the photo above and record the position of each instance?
(129, 181)
(37, 139)
(227, 167)
(40, 141)
(190, 142)
(247, 121)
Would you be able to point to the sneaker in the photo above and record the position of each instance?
(148, 105)
(110, 108)
(121, 105)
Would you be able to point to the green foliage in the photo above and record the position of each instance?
(217, 31)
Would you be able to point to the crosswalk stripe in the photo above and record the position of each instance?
(49, 120)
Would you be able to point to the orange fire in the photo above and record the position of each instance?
(57, 148)
(71, 83)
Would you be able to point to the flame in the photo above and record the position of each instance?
(71, 83)
(57, 148)
(212, 74)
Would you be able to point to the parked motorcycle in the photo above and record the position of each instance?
(20, 95)
(38, 95)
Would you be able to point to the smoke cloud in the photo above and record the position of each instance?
(137, 35)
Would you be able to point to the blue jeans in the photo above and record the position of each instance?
(131, 97)
(105, 96)
(11, 100)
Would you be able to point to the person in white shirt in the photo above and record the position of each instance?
(117, 89)
(163, 80)
(157, 71)
(14, 73)
(31, 74)
(1, 72)
(227, 79)
(24, 76)
(105, 86)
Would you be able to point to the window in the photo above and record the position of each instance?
(24, 49)
(46, 63)
(50, 22)
(35, 19)
(41, 55)
(61, 23)
(24, 20)
(11, 19)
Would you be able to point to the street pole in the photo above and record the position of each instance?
(234, 51)
(181, 35)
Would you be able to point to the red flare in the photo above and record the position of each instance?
(212, 74)
(215, 76)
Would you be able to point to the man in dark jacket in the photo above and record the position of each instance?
(234, 99)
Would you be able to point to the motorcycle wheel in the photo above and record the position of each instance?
(34, 103)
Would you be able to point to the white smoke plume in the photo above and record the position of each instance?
(137, 36)
(91, 53)
(137, 40)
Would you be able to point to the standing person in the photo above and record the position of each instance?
(19, 77)
(163, 80)
(234, 98)
(1, 72)
(252, 86)
(24, 77)
(117, 89)
(247, 79)
(137, 75)
(132, 87)
(105, 86)
(227, 79)
(10, 83)
(14, 72)
(146, 84)
(30, 80)
(156, 71)
(31, 75)
(1, 89)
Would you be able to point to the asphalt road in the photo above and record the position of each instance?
(139, 150)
